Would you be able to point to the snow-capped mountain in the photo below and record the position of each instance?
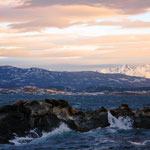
(13, 77)
(139, 71)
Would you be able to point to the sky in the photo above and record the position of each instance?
(74, 34)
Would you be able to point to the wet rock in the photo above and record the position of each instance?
(72, 125)
(24, 116)
(16, 123)
(61, 108)
(142, 118)
(18, 103)
(5, 133)
(122, 110)
(4, 140)
(47, 123)
(95, 119)
(7, 108)
(62, 113)
(38, 108)
(56, 103)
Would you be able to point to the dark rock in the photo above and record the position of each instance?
(142, 118)
(142, 122)
(18, 103)
(4, 140)
(71, 124)
(5, 132)
(7, 109)
(123, 110)
(63, 103)
(16, 123)
(56, 103)
(95, 119)
(61, 113)
(47, 123)
(24, 116)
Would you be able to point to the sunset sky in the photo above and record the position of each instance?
(68, 34)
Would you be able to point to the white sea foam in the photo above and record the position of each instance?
(23, 140)
(140, 143)
(61, 129)
(124, 123)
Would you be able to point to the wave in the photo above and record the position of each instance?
(23, 140)
(140, 143)
(124, 123)
(61, 129)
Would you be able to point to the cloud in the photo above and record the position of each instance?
(69, 47)
(49, 53)
(63, 13)
(125, 6)
(69, 32)
(24, 20)
(124, 24)
(13, 52)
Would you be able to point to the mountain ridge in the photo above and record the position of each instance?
(19, 77)
(131, 70)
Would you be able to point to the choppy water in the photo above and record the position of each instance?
(119, 136)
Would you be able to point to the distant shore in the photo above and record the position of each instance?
(42, 91)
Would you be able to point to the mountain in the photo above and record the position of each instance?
(139, 71)
(11, 77)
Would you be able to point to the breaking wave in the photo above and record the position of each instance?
(23, 140)
(124, 123)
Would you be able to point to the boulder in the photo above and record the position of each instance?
(142, 118)
(122, 110)
(25, 116)
(94, 119)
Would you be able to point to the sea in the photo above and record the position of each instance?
(118, 136)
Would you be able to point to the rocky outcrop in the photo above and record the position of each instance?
(142, 118)
(122, 110)
(22, 117)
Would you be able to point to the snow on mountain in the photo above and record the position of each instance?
(13, 77)
(139, 71)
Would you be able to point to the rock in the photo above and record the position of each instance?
(74, 111)
(5, 133)
(56, 103)
(122, 110)
(72, 125)
(47, 123)
(95, 119)
(7, 108)
(23, 116)
(61, 113)
(61, 108)
(38, 108)
(142, 118)
(18, 103)
(4, 140)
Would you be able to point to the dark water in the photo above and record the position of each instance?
(63, 138)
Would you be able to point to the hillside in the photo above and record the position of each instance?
(19, 77)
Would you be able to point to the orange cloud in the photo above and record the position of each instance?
(69, 32)
(125, 23)
(62, 14)
(114, 46)
(41, 18)
(125, 6)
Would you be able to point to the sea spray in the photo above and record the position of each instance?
(23, 140)
(62, 128)
(124, 123)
